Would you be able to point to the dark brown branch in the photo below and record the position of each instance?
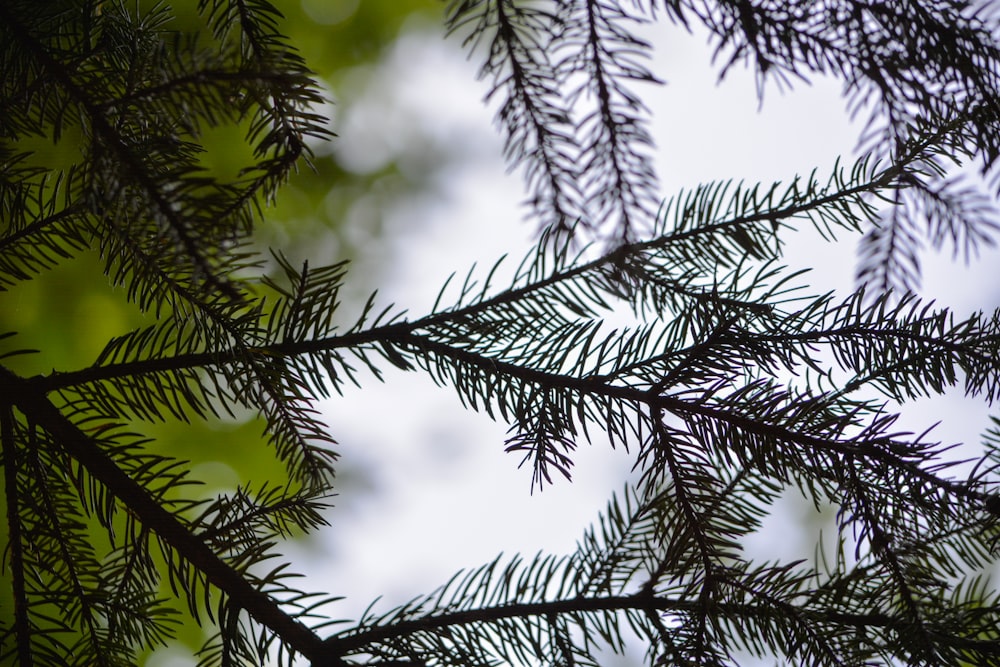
(30, 401)
(398, 331)
(344, 644)
(22, 625)
(136, 169)
(26, 232)
(71, 574)
(675, 405)
(199, 78)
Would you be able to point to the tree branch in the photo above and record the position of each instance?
(33, 404)
(22, 624)
(344, 644)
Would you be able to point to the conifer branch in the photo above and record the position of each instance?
(619, 178)
(728, 385)
(346, 644)
(154, 516)
(132, 166)
(396, 332)
(538, 131)
(11, 464)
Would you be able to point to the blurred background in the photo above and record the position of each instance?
(413, 188)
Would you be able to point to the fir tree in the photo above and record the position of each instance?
(733, 385)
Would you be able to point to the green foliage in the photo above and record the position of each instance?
(733, 385)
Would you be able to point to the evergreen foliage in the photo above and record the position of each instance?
(734, 385)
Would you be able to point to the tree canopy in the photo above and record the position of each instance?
(144, 147)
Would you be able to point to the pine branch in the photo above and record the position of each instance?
(22, 623)
(634, 253)
(346, 644)
(131, 165)
(912, 66)
(153, 515)
(30, 247)
(773, 602)
(732, 386)
(618, 177)
(538, 131)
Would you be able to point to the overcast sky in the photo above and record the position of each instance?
(448, 496)
(442, 494)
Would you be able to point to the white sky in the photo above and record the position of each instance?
(443, 469)
(442, 493)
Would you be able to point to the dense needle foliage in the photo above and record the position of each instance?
(733, 386)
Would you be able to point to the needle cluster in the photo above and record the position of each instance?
(734, 385)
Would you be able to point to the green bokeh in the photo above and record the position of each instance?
(68, 313)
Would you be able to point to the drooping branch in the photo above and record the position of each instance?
(620, 183)
(538, 132)
(878, 450)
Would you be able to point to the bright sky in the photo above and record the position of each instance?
(447, 496)
(439, 493)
